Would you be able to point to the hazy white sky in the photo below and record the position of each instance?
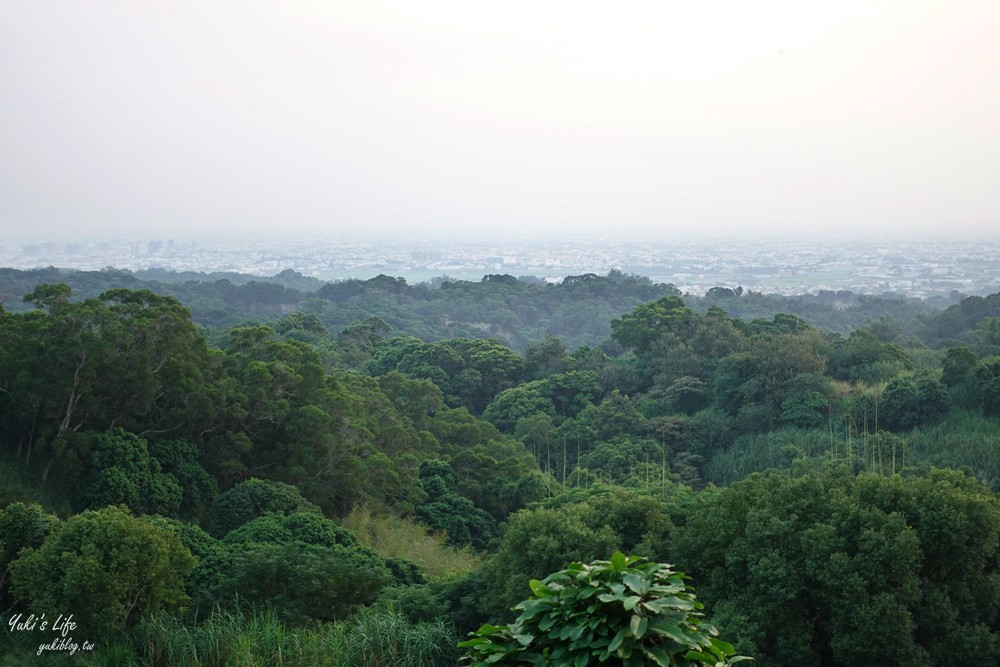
(467, 117)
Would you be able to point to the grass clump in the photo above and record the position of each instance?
(393, 536)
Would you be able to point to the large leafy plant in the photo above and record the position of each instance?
(625, 611)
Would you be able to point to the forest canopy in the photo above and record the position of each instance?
(816, 484)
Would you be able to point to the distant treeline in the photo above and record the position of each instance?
(518, 311)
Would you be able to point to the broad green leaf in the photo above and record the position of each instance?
(671, 630)
(523, 638)
(725, 647)
(698, 655)
(539, 589)
(547, 622)
(658, 654)
(636, 583)
(617, 641)
(638, 626)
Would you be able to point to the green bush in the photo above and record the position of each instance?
(623, 611)
(252, 498)
(106, 567)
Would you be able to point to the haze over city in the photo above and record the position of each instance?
(450, 119)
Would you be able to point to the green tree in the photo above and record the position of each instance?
(987, 379)
(539, 540)
(862, 357)
(828, 568)
(448, 511)
(180, 458)
(304, 582)
(957, 366)
(253, 498)
(303, 565)
(21, 526)
(209, 583)
(106, 567)
(640, 328)
(299, 526)
(913, 400)
(761, 374)
(986, 337)
(687, 394)
(121, 471)
(129, 359)
(544, 358)
(517, 403)
(807, 401)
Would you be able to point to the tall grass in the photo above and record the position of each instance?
(764, 451)
(392, 536)
(259, 639)
(964, 439)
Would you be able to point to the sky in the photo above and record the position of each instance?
(478, 120)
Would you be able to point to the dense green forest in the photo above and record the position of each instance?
(227, 472)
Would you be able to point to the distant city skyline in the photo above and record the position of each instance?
(446, 119)
(904, 266)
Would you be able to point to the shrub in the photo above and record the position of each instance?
(623, 611)
(252, 498)
(106, 567)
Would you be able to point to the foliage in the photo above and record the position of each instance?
(107, 566)
(469, 372)
(303, 565)
(914, 400)
(299, 526)
(116, 398)
(825, 567)
(542, 539)
(808, 401)
(623, 611)
(22, 526)
(209, 579)
(762, 374)
(121, 471)
(253, 498)
(862, 357)
(687, 394)
(305, 582)
(546, 357)
(523, 310)
(987, 378)
(957, 366)
(965, 439)
(126, 358)
(448, 511)
(180, 458)
(641, 328)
